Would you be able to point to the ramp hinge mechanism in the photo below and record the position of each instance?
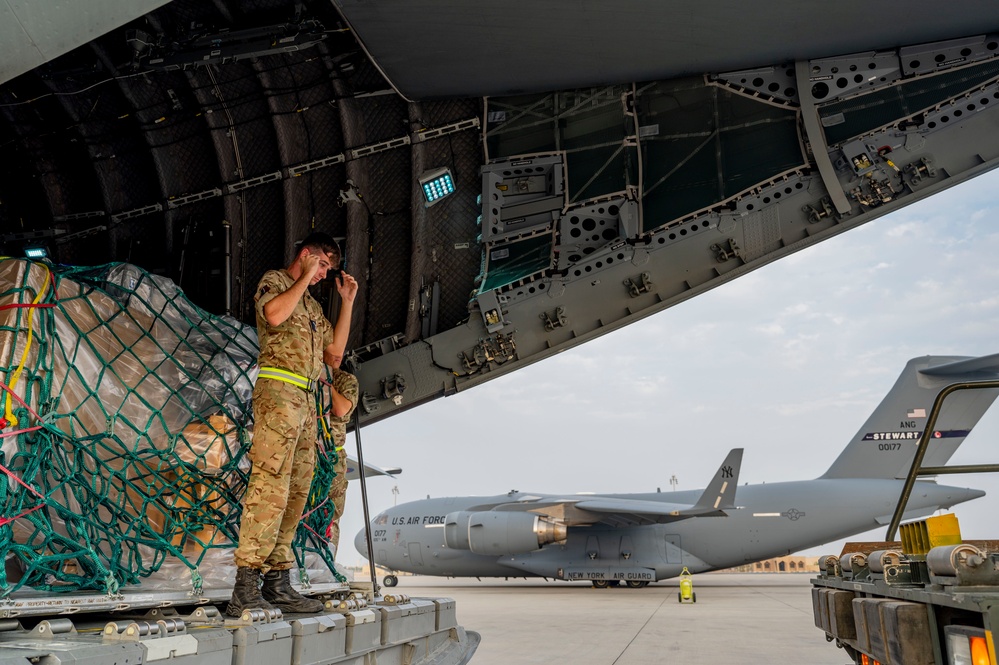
(819, 210)
(553, 321)
(723, 254)
(498, 349)
(638, 286)
(393, 387)
(919, 171)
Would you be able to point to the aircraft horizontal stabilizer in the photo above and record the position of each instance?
(369, 470)
(968, 366)
(926, 511)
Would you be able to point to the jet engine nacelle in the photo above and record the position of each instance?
(500, 533)
(456, 530)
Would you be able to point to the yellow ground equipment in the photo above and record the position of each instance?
(686, 592)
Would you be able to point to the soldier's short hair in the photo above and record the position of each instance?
(322, 242)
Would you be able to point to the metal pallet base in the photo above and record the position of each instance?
(144, 627)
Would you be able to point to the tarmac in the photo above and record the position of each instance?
(739, 618)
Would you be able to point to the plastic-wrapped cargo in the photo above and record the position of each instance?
(126, 417)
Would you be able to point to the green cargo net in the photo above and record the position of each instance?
(125, 424)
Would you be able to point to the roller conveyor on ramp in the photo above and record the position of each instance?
(151, 626)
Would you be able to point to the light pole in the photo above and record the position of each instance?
(395, 494)
(673, 482)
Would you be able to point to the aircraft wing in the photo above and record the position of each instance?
(718, 497)
(533, 505)
(369, 470)
(624, 512)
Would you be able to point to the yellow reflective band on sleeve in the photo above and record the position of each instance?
(279, 374)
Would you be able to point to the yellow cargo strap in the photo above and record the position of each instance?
(279, 374)
(8, 411)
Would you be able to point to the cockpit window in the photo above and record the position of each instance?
(382, 519)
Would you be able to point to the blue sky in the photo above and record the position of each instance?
(786, 362)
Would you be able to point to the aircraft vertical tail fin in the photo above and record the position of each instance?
(719, 495)
(886, 444)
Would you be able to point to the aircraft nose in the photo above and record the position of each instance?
(361, 543)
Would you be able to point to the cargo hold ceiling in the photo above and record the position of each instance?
(448, 48)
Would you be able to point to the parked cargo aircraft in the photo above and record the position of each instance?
(641, 538)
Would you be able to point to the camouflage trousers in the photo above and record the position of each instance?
(283, 454)
(338, 494)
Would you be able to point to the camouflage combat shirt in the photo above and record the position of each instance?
(297, 344)
(344, 383)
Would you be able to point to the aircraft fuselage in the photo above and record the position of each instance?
(773, 519)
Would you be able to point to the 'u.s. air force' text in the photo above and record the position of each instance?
(418, 519)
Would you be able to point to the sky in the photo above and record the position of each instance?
(787, 362)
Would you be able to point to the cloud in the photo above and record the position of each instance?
(771, 329)
(647, 385)
(904, 229)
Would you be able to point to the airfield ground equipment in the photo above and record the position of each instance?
(686, 593)
(930, 597)
(125, 424)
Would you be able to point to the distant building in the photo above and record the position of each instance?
(781, 564)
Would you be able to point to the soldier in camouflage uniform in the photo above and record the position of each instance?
(295, 341)
(344, 384)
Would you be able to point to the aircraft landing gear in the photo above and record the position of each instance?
(600, 584)
(390, 580)
(637, 584)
